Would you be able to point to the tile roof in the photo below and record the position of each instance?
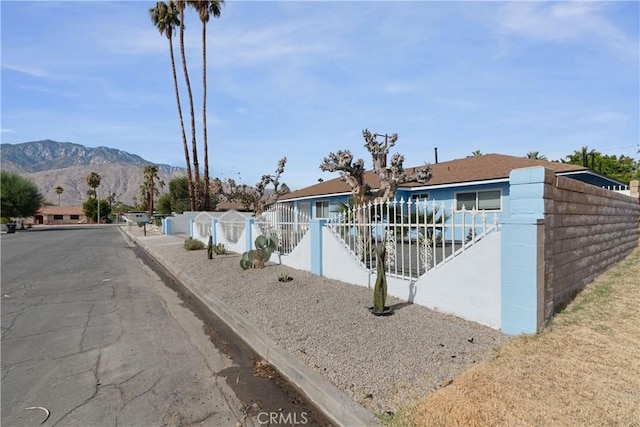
(470, 169)
(61, 210)
(229, 206)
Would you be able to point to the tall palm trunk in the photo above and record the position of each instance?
(184, 136)
(207, 196)
(194, 147)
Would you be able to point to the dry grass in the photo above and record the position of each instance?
(584, 369)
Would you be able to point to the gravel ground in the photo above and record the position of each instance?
(381, 362)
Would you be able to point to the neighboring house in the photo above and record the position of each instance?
(480, 182)
(231, 206)
(56, 215)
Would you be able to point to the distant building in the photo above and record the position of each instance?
(57, 215)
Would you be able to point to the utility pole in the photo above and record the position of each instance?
(98, 205)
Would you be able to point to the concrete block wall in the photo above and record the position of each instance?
(560, 234)
(587, 230)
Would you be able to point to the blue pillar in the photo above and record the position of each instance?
(213, 231)
(522, 252)
(316, 245)
(191, 223)
(248, 226)
(167, 226)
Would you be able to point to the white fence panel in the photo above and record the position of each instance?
(288, 224)
(417, 236)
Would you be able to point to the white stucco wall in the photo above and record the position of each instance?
(300, 257)
(468, 286)
(238, 247)
(181, 222)
(338, 263)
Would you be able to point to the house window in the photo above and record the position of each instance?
(419, 197)
(322, 209)
(74, 217)
(58, 217)
(482, 200)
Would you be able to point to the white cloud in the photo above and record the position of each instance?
(565, 22)
(3, 130)
(32, 71)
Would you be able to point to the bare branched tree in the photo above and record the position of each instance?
(392, 176)
(255, 198)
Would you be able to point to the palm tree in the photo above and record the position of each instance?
(148, 188)
(476, 153)
(535, 155)
(93, 181)
(581, 157)
(59, 191)
(166, 18)
(205, 9)
(194, 146)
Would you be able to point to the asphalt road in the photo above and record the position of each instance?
(91, 333)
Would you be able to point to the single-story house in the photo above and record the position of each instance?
(480, 182)
(57, 215)
(231, 206)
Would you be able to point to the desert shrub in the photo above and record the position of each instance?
(193, 244)
(220, 249)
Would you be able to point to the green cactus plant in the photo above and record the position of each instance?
(256, 258)
(210, 247)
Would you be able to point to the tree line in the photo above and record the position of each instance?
(621, 168)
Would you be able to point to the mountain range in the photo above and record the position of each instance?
(49, 164)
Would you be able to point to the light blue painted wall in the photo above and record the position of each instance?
(520, 249)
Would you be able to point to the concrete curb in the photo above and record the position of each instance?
(338, 407)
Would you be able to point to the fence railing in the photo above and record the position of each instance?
(417, 236)
(288, 224)
(202, 230)
(232, 230)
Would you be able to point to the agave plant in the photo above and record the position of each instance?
(210, 247)
(380, 289)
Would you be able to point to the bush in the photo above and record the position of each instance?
(220, 249)
(193, 245)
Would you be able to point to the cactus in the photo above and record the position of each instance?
(246, 260)
(210, 247)
(256, 258)
(380, 289)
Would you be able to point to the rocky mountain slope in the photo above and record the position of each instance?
(50, 164)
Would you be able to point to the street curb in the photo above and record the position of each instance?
(337, 406)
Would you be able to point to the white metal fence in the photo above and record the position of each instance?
(417, 236)
(288, 224)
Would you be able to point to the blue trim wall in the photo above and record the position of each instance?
(522, 252)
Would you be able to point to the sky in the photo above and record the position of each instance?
(302, 79)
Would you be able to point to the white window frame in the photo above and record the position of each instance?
(419, 197)
(477, 201)
(316, 211)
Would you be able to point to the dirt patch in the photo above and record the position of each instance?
(584, 369)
